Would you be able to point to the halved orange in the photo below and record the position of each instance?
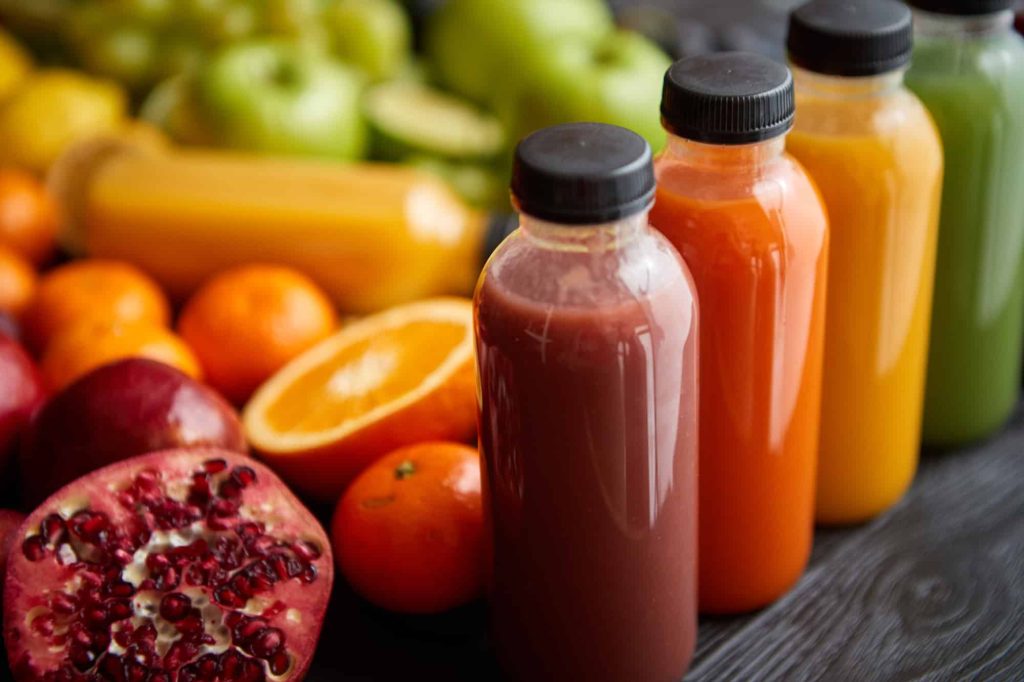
(396, 378)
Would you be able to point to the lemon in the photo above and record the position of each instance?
(14, 64)
(53, 109)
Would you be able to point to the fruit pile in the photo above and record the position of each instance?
(155, 547)
(342, 79)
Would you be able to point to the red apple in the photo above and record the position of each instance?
(21, 392)
(127, 408)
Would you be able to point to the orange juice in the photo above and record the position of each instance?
(752, 230)
(876, 157)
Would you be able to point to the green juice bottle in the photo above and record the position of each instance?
(968, 68)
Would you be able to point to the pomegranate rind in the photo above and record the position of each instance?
(10, 522)
(267, 500)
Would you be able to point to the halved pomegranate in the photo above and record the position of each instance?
(179, 565)
(10, 520)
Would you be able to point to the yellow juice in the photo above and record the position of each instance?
(876, 157)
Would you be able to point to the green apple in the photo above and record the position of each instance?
(171, 107)
(110, 45)
(276, 97)
(617, 80)
(234, 21)
(482, 48)
(153, 12)
(374, 35)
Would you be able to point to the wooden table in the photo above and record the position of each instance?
(933, 590)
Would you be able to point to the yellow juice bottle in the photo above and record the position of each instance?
(372, 235)
(875, 154)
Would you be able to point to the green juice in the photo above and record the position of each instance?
(969, 71)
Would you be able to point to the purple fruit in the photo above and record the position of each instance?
(127, 408)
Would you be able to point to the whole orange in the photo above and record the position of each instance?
(80, 348)
(100, 290)
(408, 534)
(28, 216)
(247, 322)
(17, 282)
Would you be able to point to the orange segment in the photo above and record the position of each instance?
(400, 377)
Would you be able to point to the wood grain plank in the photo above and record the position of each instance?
(933, 590)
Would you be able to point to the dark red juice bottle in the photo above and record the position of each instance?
(586, 325)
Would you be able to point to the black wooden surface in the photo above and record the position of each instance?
(933, 590)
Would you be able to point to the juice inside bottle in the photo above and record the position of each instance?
(586, 346)
(874, 153)
(752, 230)
(968, 69)
(372, 235)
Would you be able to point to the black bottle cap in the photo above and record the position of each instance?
(582, 173)
(727, 98)
(851, 37)
(963, 7)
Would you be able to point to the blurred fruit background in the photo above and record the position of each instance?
(447, 86)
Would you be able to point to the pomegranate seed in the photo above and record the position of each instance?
(279, 565)
(252, 672)
(230, 664)
(121, 556)
(96, 616)
(192, 625)
(280, 663)
(243, 476)
(147, 479)
(179, 653)
(90, 525)
(260, 546)
(306, 550)
(267, 643)
(215, 466)
(137, 672)
(228, 598)
(207, 665)
(175, 606)
(63, 604)
(145, 635)
(159, 677)
(229, 489)
(217, 522)
(119, 588)
(120, 609)
(111, 667)
(168, 580)
(34, 548)
(81, 658)
(247, 629)
(309, 574)
(53, 528)
(43, 624)
(157, 562)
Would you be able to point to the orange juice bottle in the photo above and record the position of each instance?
(751, 227)
(372, 235)
(876, 156)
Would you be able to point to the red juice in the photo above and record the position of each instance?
(587, 352)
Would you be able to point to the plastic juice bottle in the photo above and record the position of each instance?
(586, 324)
(875, 155)
(968, 69)
(753, 231)
(372, 235)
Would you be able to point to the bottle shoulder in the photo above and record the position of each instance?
(533, 274)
